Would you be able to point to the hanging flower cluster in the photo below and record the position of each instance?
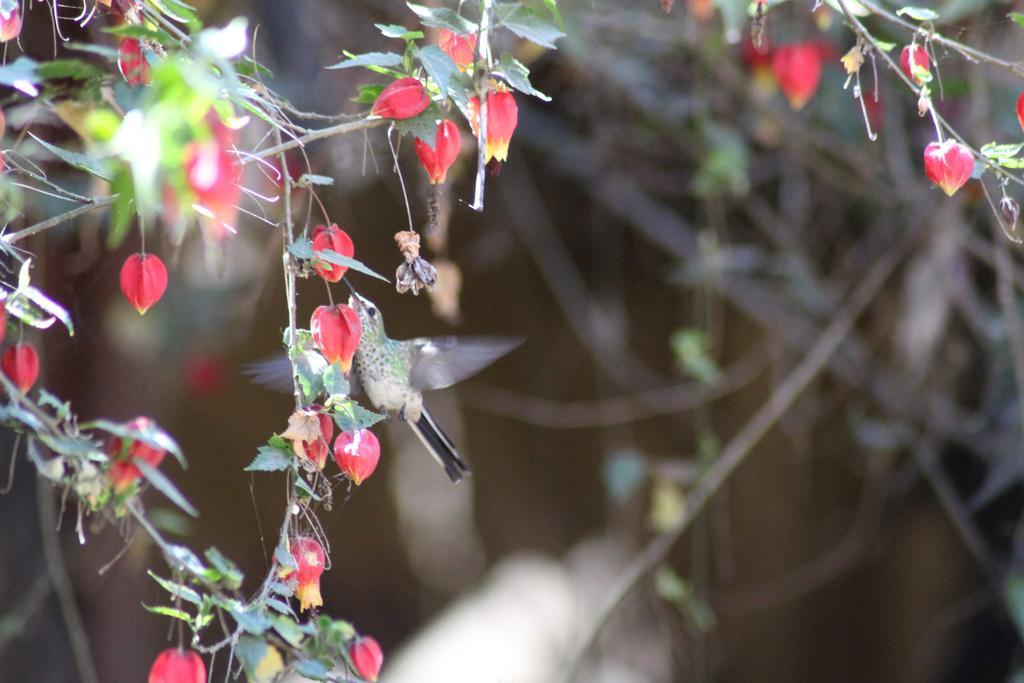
(124, 455)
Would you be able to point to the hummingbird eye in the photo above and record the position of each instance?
(372, 312)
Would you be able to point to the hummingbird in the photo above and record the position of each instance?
(394, 374)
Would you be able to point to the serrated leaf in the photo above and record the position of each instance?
(528, 23)
(176, 589)
(289, 630)
(339, 260)
(285, 559)
(442, 17)
(251, 621)
(334, 381)
(233, 576)
(423, 126)
(164, 486)
(399, 31)
(304, 489)
(82, 162)
(278, 606)
(168, 612)
(443, 71)
(517, 76)
(269, 459)
(917, 13)
(385, 59)
(995, 150)
(351, 417)
(281, 588)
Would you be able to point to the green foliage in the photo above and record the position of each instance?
(690, 347)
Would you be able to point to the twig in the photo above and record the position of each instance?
(330, 131)
(58, 574)
(59, 219)
(740, 446)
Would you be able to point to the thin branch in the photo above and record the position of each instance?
(741, 445)
(59, 219)
(330, 131)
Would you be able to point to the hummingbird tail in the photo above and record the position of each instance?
(440, 446)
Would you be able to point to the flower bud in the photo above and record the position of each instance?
(178, 666)
(123, 471)
(333, 239)
(357, 454)
(462, 49)
(10, 23)
(20, 364)
(502, 117)
(1010, 209)
(798, 71)
(131, 61)
(310, 558)
(401, 99)
(921, 62)
(143, 280)
(366, 657)
(439, 158)
(948, 164)
(336, 332)
(316, 451)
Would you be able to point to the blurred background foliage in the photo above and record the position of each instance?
(672, 239)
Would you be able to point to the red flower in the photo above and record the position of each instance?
(357, 454)
(948, 164)
(213, 175)
(1020, 109)
(502, 117)
(143, 280)
(132, 62)
(178, 666)
(921, 62)
(310, 558)
(798, 70)
(10, 23)
(3, 319)
(336, 331)
(331, 239)
(462, 49)
(316, 451)
(401, 99)
(204, 374)
(123, 471)
(437, 159)
(20, 364)
(366, 657)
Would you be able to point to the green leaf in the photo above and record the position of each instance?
(443, 71)
(304, 489)
(884, 46)
(995, 150)
(442, 17)
(517, 76)
(233, 576)
(351, 417)
(308, 367)
(918, 13)
(21, 75)
(335, 384)
(368, 94)
(68, 68)
(188, 561)
(82, 162)
(313, 669)
(285, 559)
(151, 435)
(691, 350)
(143, 32)
(528, 23)
(270, 459)
(307, 179)
(164, 485)
(168, 612)
(552, 6)
(278, 606)
(289, 630)
(423, 126)
(386, 59)
(339, 260)
(124, 207)
(32, 307)
(281, 588)
(251, 620)
(176, 589)
(250, 652)
(399, 31)
(1017, 17)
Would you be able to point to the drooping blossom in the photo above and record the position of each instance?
(310, 559)
(331, 238)
(143, 280)
(367, 657)
(502, 118)
(948, 164)
(438, 159)
(20, 364)
(336, 331)
(357, 454)
(461, 48)
(403, 98)
(178, 666)
(797, 70)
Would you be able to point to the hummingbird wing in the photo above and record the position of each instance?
(440, 362)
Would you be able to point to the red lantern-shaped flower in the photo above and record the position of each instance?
(316, 451)
(948, 164)
(143, 280)
(462, 49)
(123, 471)
(336, 331)
(366, 657)
(401, 99)
(502, 117)
(798, 71)
(310, 558)
(437, 159)
(357, 454)
(213, 175)
(333, 239)
(10, 23)
(1020, 109)
(178, 666)
(918, 70)
(132, 62)
(20, 364)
